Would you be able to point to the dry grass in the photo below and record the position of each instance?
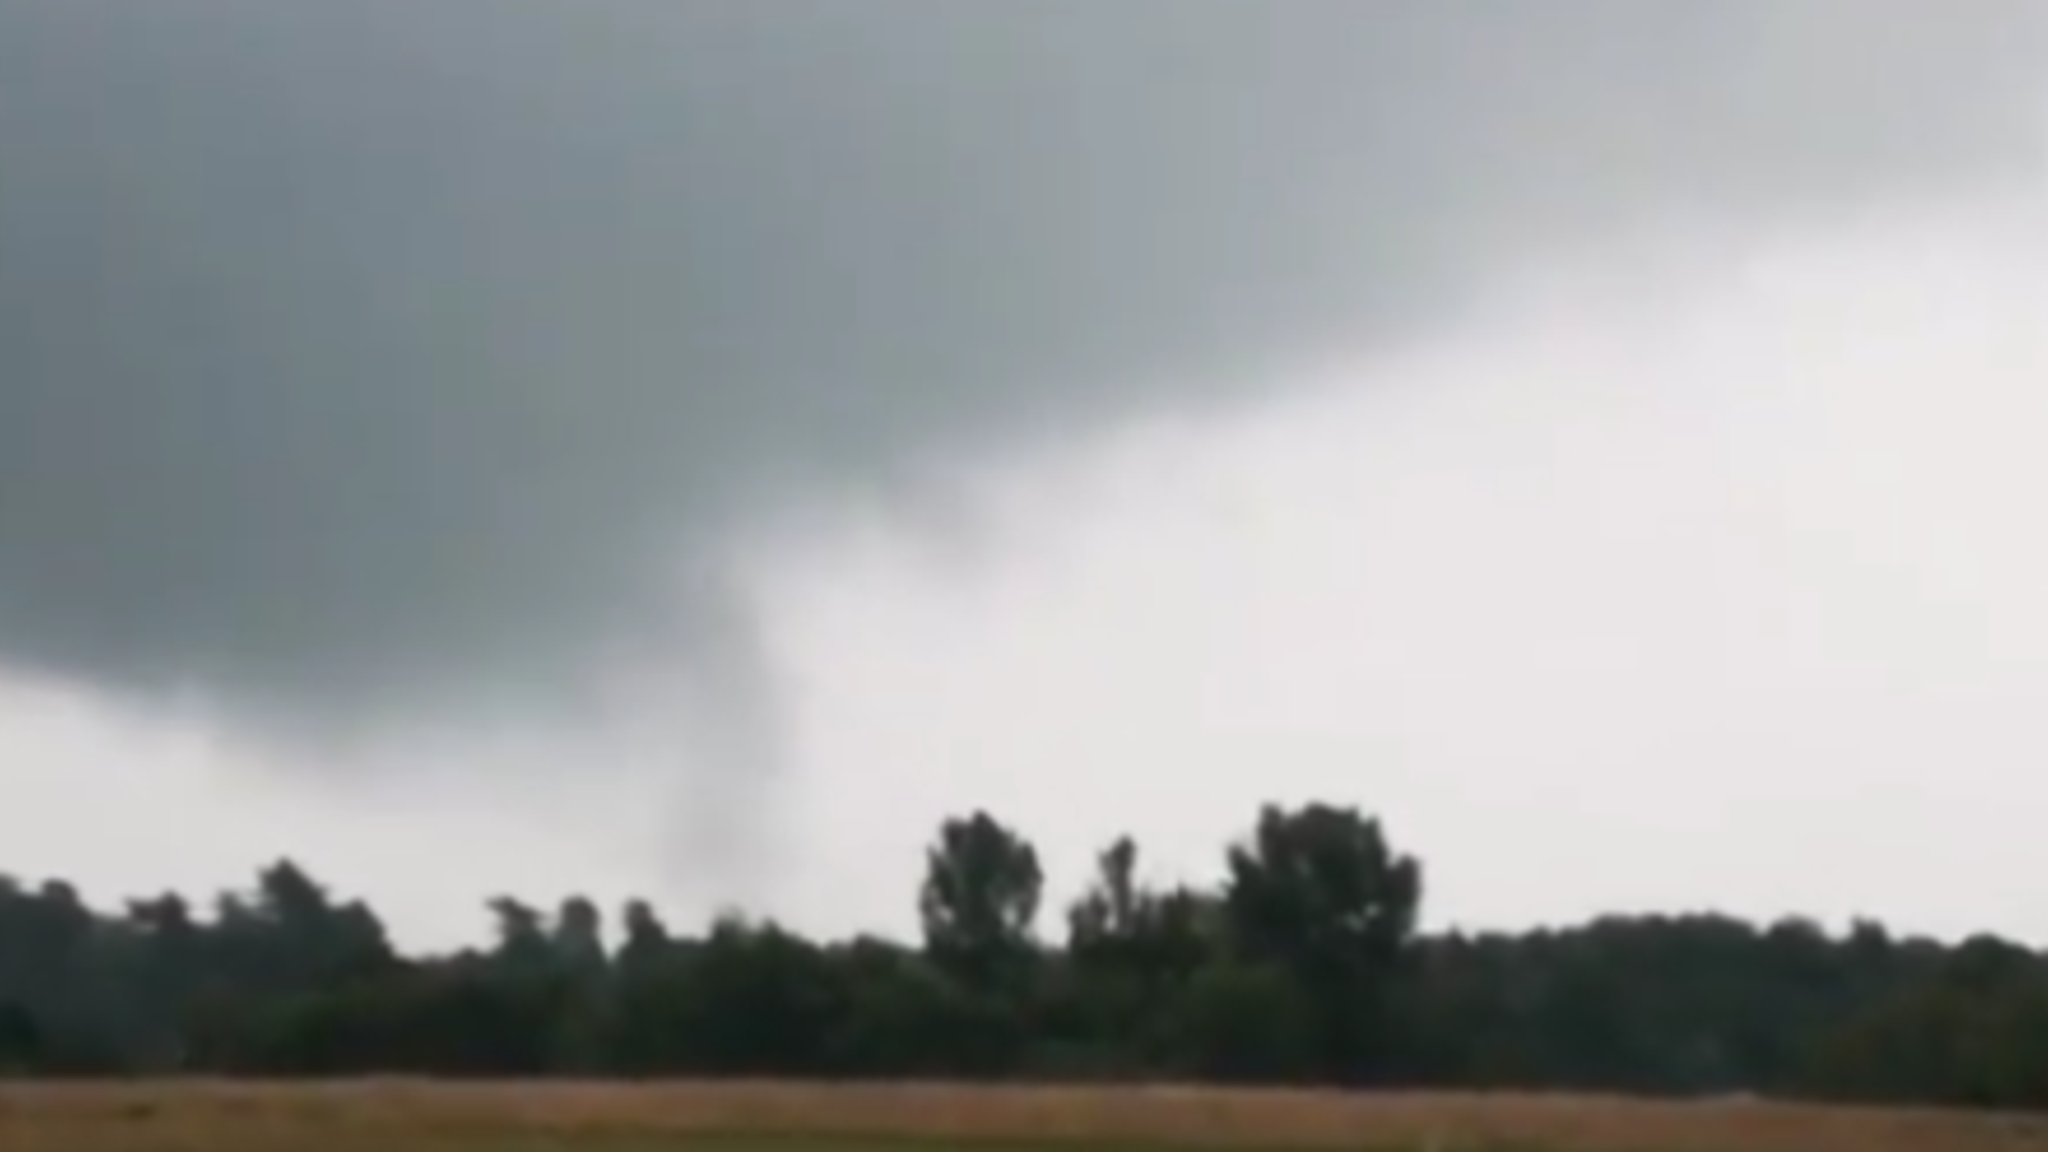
(425, 1116)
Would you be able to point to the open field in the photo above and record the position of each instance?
(424, 1116)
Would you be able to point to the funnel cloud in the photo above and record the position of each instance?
(358, 356)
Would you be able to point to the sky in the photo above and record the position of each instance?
(687, 450)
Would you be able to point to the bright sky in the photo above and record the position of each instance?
(1681, 575)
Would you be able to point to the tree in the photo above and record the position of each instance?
(647, 939)
(979, 900)
(578, 935)
(1131, 952)
(1108, 915)
(1302, 964)
(1319, 893)
(523, 939)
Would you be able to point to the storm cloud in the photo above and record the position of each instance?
(358, 353)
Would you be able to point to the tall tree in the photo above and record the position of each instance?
(1318, 892)
(980, 898)
(1107, 915)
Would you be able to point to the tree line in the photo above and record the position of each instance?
(1302, 965)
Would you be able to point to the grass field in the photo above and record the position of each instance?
(423, 1116)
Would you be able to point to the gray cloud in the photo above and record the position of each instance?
(351, 353)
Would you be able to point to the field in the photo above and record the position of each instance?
(423, 1116)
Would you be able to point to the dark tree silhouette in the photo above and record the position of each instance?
(1303, 964)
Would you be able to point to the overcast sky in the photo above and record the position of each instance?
(688, 448)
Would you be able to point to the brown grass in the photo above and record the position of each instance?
(425, 1116)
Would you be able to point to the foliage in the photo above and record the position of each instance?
(1303, 965)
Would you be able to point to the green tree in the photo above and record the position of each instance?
(979, 900)
(1319, 893)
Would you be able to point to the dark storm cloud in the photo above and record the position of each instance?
(376, 347)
